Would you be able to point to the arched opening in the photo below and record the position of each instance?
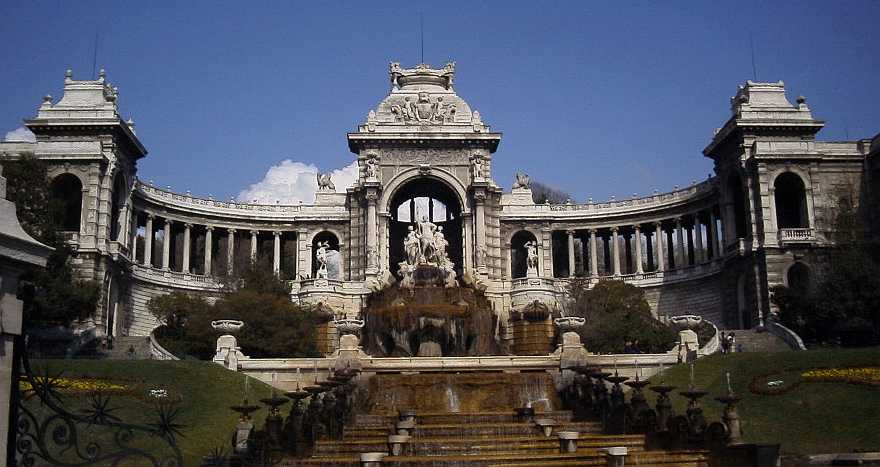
(120, 196)
(798, 278)
(431, 200)
(519, 253)
(735, 189)
(791, 202)
(326, 259)
(66, 205)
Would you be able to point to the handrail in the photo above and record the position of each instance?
(789, 336)
(157, 352)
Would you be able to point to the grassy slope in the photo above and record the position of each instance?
(812, 418)
(207, 391)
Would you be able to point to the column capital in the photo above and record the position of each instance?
(615, 229)
(371, 197)
(231, 231)
(657, 224)
(187, 225)
(168, 221)
(570, 232)
(276, 233)
(637, 227)
(254, 232)
(209, 228)
(677, 220)
(150, 216)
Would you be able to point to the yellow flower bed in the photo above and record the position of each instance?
(865, 375)
(78, 385)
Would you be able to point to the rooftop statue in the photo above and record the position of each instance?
(324, 182)
(522, 181)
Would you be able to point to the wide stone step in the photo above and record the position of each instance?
(475, 444)
(583, 457)
(478, 429)
(432, 418)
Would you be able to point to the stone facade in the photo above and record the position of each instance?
(713, 248)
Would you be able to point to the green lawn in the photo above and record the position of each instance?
(206, 390)
(811, 418)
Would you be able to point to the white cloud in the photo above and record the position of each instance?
(291, 182)
(20, 134)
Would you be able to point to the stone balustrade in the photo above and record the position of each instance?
(796, 235)
(174, 279)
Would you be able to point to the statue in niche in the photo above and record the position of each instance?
(478, 166)
(321, 256)
(411, 246)
(522, 181)
(532, 257)
(324, 182)
(372, 166)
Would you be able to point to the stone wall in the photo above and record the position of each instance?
(699, 297)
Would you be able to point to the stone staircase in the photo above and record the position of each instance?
(754, 341)
(487, 439)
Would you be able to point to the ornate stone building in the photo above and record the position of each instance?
(713, 248)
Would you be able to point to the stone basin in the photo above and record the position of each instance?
(686, 321)
(567, 441)
(370, 459)
(229, 326)
(396, 442)
(569, 323)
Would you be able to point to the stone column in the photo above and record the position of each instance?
(276, 256)
(254, 234)
(728, 224)
(187, 232)
(570, 252)
(166, 246)
(148, 241)
(480, 230)
(230, 252)
(209, 244)
(637, 237)
(699, 254)
(658, 246)
(713, 234)
(681, 248)
(133, 238)
(615, 253)
(372, 243)
(594, 257)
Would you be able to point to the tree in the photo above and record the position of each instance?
(60, 299)
(844, 301)
(542, 193)
(274, 326)
(617, 312)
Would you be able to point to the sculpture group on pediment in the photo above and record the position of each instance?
(423, 111)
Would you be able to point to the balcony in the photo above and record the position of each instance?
(800, 235)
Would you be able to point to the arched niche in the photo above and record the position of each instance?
(119, 201)
(790, 194)
(334, 256)
(425, 198)
(518, 253)
(737, 194)
(797, 277)
(66, 202)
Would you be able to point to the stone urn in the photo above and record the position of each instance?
(686, 321)
(227, 326)
(568, 441)
(347, 326)
(396, 442)
(569, 323)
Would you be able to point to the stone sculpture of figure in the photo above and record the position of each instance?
(522, 181)
(479, 166)
(321, 256)
(372, 167)
(324, 182)
(440, 244)
(532, 257)
(411, 246)
(426, 240)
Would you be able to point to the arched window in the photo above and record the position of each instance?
(327, 244)
(518, 253)
(798, 277)
(791, 202)
(119, 196)
(434, 201)
(66, 202)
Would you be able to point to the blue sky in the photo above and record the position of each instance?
(598, 99)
